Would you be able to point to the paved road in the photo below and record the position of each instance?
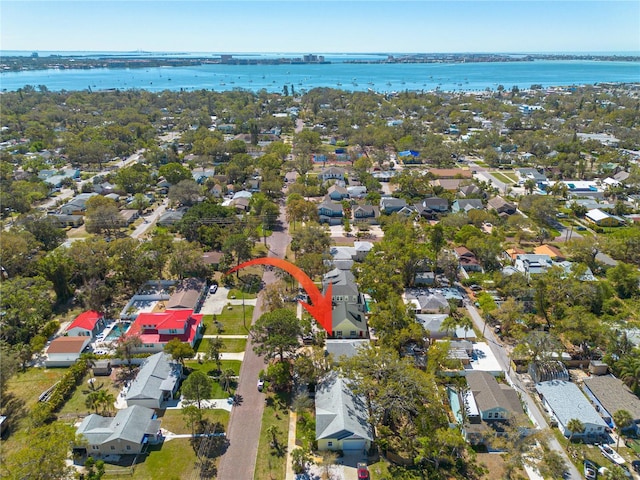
(533, 411)
(238, 462)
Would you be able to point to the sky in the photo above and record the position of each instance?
(300, 26)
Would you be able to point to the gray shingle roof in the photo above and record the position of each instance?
(158, 374)
(339, 412)
(130, 424)
(614, 395)
(568, 402)
(489, 394)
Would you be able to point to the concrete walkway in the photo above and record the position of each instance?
(291, 444)
(225, 336)
(223, 356)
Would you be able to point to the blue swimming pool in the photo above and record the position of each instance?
(117, 331)
(454, 401)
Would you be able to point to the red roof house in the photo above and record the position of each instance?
(157, 329)
(87, 324)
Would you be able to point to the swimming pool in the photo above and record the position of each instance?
(117, 331)
(454, 401)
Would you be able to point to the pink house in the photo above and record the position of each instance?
(157, 329)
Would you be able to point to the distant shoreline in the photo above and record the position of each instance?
(17, 63)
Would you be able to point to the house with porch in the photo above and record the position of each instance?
(332, 173)
(369, 214)
(330, 212)
(466, 205)
(128, 433)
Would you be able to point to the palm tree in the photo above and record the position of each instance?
(274, 432)
(106, 399)
(225, 378)
(574, 426)
(530, 185)
(93, 400)
(629, 368)
(622, 420)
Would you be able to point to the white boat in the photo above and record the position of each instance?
(611, 454)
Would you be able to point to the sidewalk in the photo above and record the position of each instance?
(291, 444)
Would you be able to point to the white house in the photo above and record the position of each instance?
(564, 401)
(125, 434)
(65, 351)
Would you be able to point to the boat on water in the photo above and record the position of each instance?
(610, 454)
(590, 470)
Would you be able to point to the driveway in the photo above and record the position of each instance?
(214, 303)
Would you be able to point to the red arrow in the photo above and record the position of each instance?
(321, 306)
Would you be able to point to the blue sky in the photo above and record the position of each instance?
(314, 26)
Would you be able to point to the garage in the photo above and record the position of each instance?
(353, 444)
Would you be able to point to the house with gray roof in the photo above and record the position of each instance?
(77, 205)
(337, 193)
(432, 323)
(341, 417)
(486, 403)
(332, 173)
(532, 264)
(330, 212)
(466, 205)
(610, 394)
(389, 205)
(128, 433)
(339, 348)
(366, 214)
(157, 381)
(344, 286)
(495, 401)
(565, 401)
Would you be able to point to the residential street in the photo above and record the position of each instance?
(238, 462)
(533, 411)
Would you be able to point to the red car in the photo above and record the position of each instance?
(363, 471)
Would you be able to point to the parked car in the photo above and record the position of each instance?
(213, 289)
(636, 465)
(260, 384)
(363, 471)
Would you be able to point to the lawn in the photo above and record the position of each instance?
(76, 404)
(513, 176)
(502, 178)
(173, 421)
(171, 460)
(236, 294)
(232, 321)
(27, 386)
(271, 463)
(211, 369)
(231, 345)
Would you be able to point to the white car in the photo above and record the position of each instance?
(260, 384)
(213, 289)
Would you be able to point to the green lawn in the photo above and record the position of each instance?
(236, 294)
(173, 460)
(76, 404)
(211, 369)
(27, 386)
(173, 421)
(502, 178)
(231, 345)
(269, 462)
(513, 176)
(232, 320)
